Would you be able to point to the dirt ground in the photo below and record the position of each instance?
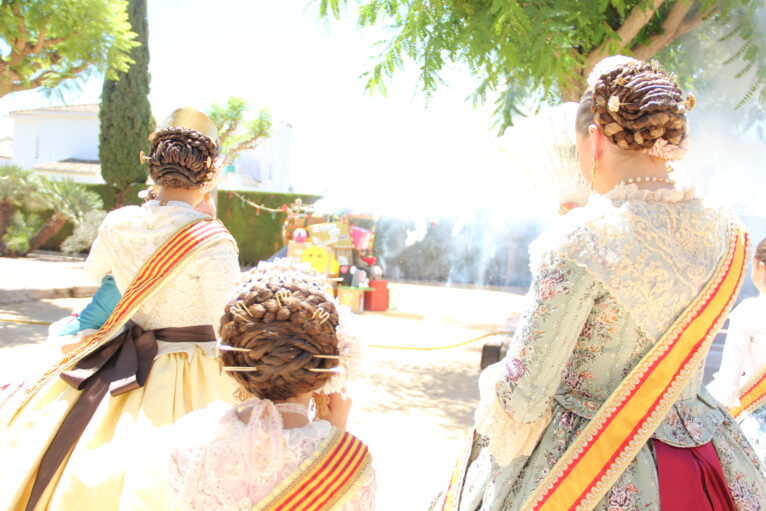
(411, 407)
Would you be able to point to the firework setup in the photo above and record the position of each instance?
(341, 247)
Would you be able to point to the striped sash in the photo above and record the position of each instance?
(326, 480)
(603, 450)
(752, 397)
(166, 262)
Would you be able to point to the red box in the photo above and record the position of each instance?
(377, 300)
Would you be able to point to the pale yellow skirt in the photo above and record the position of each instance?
(117, 464)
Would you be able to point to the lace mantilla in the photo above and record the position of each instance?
(219, 463)
(653, 250)
(130, 235)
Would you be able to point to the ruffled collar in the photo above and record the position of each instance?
(633, 192)
(155, 203)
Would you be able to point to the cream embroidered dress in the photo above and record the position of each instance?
(609, 279)
(219, 463)
(107, 469)
(744, 355)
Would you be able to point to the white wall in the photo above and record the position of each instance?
(39, 139)
(270, 162)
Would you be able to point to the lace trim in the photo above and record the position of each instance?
(653, 256)
(507, 438)
(295, 408)
(633, 192)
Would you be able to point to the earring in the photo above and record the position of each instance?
(593, 175)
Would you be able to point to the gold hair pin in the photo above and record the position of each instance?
(226, 347)
(329, 370)
(331, 357)
(282, 296)
(242, 369)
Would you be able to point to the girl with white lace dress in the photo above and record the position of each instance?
(744, 354)
(282, 340)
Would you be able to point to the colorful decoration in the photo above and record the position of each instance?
(300, 235)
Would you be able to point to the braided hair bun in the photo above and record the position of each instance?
(640, 107)
(284, 318)
(760, 252)
(182, 158)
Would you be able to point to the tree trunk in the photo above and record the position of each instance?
(573, 89)
(50, 228)
(119, 199)
(6, 210)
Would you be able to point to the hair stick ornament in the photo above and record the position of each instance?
(226, 347)
(241, 369)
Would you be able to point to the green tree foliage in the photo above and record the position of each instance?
(69, 201)
(126, 116)
(235, 134)
(21, 228)
(45, 42)
(17, 186)
(526, 53)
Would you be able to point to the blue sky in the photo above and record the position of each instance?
(279, 55)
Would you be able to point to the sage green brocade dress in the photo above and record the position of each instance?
(609, 279)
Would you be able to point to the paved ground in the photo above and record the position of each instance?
(411, 407)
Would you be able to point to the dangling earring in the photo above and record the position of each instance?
(593, 175)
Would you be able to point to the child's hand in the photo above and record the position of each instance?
(339, 407)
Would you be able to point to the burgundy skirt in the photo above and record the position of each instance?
(691, 478)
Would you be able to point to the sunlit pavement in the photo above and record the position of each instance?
(411, 407)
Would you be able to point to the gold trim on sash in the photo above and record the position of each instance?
(324, 481)
(752, 397)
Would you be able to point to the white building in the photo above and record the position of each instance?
(267, 167)
(62, 141)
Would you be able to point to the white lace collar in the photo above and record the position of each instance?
(628, 192)
(155, 203)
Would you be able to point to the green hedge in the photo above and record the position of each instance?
(259, 236)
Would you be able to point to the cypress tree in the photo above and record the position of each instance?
(125, 115)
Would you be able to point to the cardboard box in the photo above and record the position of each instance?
(330, 234)
(351, 297)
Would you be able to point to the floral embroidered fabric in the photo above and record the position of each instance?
(608, 281)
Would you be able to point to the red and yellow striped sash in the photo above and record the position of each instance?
(752, 397)
(326, 480)
(601, 453)
(165, 262)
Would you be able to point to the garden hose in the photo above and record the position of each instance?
(379, 346)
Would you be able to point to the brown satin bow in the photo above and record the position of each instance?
(119, 366)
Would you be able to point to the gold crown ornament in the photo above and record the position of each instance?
(188, 117)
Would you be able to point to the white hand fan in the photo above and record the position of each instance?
(543, 148)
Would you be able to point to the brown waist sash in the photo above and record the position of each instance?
(119, 366)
